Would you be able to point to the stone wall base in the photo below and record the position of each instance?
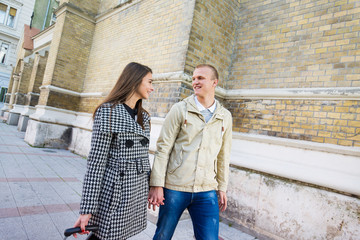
(275, 208)
(22, 124)
(80, 141)
(40, 134)
(13, 118)
(5, 109)
(5, 114)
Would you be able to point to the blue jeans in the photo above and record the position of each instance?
(203, 208)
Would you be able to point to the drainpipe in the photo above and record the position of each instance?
(47, 12)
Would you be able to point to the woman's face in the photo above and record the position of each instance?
(145, 88)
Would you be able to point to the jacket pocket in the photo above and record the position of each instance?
(176, 160)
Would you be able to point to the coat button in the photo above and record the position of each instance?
(129, 143)
(122, 174)
(144, 142)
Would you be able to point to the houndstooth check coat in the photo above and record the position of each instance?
(116, 183)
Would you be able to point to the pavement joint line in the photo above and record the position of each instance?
(13, 145)
(37, 179)
(40, 154)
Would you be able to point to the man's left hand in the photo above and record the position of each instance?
(222, 200)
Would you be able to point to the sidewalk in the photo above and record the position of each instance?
(41, 190)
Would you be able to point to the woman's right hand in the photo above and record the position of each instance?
(156, 197)
(82, 221)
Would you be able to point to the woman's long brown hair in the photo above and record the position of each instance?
(129, 80)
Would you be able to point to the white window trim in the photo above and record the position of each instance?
(11, 5)
(7, 53)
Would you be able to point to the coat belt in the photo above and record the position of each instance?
(124, 165)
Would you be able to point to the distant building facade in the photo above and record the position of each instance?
(289, 73)
(44, 15)
(13, 15)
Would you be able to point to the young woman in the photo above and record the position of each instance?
(116, 182)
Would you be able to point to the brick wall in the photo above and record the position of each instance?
(90, 7)
(25, 76)
(68, 56)
(335, 122)
(89, 104)
(154, 33)
(40, 73)
(212, 36)
(73, 53)
(297, 44)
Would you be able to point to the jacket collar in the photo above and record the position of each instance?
(121, 121)
(191, 107)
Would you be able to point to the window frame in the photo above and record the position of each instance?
(7, 15)
(6, 54)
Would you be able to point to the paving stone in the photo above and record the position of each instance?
(12, 228)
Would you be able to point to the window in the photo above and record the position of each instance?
(53, 18)
(11, 18)
(7, 15)
(3, 52)
(3, 10)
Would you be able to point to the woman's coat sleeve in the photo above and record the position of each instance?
(97, 160)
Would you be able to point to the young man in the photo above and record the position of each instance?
(192, 160)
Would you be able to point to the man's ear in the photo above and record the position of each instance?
(215, 82)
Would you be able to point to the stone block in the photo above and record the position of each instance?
(40, 134)
(13, 118)
(23, 121)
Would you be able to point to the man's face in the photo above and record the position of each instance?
(203, 82)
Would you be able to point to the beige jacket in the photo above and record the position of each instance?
(193, 156)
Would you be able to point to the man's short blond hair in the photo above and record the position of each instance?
(213, 69)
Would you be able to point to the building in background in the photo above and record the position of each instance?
(13, 15)
(43, 15)
(289, 73)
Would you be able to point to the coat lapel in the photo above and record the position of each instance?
(121, 121)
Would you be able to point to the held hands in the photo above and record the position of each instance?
(222, 200)
(156, 197)
(82, 221)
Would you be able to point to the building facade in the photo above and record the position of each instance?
(44, 15)
(13, 15)
(289, 74)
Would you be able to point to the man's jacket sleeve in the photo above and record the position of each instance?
(223, 160)
(165, 143)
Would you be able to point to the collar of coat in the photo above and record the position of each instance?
(191, 107)
(121, 121)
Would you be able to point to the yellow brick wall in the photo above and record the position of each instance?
(11, 81)
(213, 35)
(55, 42)
(107, 5)
(89, 104)
(63, 101)
(25, 77)
(73, 53)
(88, 6)
(68, 56)
(40, 74)
(154, 33)
(335, 122)
(297, 44)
